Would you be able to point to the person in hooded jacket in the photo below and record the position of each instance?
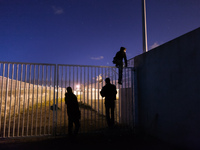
(118, 60)
(73, 111)
(109, 92)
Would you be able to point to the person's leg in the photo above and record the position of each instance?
(77, 126)
(108, 115)
(70, 126)
(112, 114)
(120, 73)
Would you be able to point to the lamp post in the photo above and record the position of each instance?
(144, 26)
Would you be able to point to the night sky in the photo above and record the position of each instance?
(88, 32)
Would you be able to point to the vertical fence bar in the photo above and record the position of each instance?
(56, 99)
(61, 95)
(136, 122)
(9, 121)
(73, 77)
(91, 95)
(46, 80)
(128, 98)
(33, 95)
(38, 76)
(50, 86)
(19, 101)
(119, 103)
(6, 99)
(80, 89)
(84, 98)
(41, 99)
(29, 90)
(16, 85)
(132, 98)
(116, 103)
(87, 97)
(95, 96)
(98, 95)
(102, 99)
(65, 105)
(24, 103)
(125, 97)
(2, 85)
(69, 76)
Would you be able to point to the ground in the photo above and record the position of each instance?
(107, 138)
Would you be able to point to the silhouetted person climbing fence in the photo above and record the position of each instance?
(118, 60)
(73, 111)
(109, 92)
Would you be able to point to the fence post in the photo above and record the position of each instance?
(54, 98)
(136, 121)
(133, 101)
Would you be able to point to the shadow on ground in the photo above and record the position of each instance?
(105, 138)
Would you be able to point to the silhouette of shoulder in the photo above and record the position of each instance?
(109, 90)
(70, 99)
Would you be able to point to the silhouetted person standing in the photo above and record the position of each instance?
(72, 111)
(118, 60)
(109, 92)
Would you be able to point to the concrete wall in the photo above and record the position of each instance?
(169, 91)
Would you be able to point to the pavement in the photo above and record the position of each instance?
(109, 139)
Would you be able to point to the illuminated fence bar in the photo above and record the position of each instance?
(26, 94)
(32, 98)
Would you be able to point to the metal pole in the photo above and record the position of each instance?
(66, 72)
(19, 100)
(33, 98)
(29, 90)
(84, 99)
(38, 76)
(24, 102)
(2, 87)
(50, 92)
(46, 80)
(95, 94)
(135, 105)
(16, 88)
(41, 99)
(11, 88)
(88, 96)
(6, 99)
(144, 26)
(54, 99)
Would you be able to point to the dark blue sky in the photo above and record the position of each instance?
(88, 32)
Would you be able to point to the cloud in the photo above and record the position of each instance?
(57, 10)
(154, 45)
(97, 58)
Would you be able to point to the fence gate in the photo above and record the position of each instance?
(87, 82)
(32, 98)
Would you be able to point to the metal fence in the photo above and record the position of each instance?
(32, 98)
(27, 92)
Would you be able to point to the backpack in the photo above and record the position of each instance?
(115, 60)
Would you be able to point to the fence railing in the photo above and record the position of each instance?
(32, 98)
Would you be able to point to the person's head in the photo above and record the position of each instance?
(69, 89)
(107, 80)
(123, 49)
